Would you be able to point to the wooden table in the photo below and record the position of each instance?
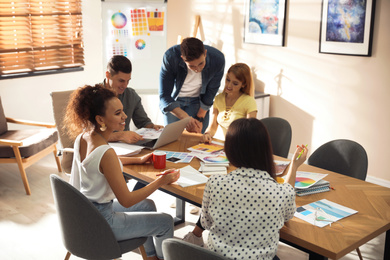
(371, 201)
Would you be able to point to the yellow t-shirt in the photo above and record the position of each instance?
(244, 105)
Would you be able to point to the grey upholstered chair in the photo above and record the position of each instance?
(342, 156)
(28, 145)
(176, 249)
(280, 133)
(60, 101)
(85, 232)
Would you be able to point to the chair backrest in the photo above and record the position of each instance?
(85, 232)
(60, 100)
(176, 249)
(3, 120)
(342, 156)
(280, 133)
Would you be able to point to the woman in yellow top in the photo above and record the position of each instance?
(236, 101)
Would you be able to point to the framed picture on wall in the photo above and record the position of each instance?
(347, 27)
(265, 22)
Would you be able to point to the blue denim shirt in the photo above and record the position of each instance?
(174, 71)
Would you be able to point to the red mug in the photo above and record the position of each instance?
(159, 160)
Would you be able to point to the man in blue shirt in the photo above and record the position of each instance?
(190, 77)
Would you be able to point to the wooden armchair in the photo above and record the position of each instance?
(25, 147)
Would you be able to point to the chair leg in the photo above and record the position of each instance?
(23, 174)
(68, 254)
(359, 253)
(143, 252)
(57, 159)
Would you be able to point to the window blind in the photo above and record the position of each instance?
(40, 35)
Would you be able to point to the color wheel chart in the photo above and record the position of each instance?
(119, 34)
(215, 159)
(306, 179)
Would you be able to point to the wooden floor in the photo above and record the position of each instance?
(29, 225)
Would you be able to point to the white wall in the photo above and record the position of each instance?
(323, 96)
(29, 98)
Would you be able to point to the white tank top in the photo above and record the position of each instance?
(86, 175)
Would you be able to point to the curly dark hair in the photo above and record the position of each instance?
(84, 105)
(247, 144)
(191, 48)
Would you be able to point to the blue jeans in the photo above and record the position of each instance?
(191, 106)
(140, 220)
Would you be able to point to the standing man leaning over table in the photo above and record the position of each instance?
(190, 77)
(118, 75)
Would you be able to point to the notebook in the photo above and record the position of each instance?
(320, 186)
(170, 133)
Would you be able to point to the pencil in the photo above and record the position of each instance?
(301, 153)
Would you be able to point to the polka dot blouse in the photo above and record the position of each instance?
(244, 211)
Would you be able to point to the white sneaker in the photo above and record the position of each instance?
(191, 238)
(194, 210)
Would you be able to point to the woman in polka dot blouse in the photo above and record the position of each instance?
(245, 209)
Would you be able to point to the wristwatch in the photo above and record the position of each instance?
(200, 119)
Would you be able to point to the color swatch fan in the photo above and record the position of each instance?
(306, 179)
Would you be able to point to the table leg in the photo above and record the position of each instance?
(386, 254)
(180, 211)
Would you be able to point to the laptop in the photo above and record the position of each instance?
(170, 133)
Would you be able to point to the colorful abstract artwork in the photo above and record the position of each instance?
(264, 23)
(263, 17)
(346, 21)
(347, 27)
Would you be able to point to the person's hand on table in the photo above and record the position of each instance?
(207, 138)
(169, 176)
(194, 126)
(131, 137)
(155, 127)
(147, 158)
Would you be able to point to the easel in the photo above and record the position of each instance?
(194, 29)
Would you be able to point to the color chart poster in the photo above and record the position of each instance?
(136, 30)
(130, 30)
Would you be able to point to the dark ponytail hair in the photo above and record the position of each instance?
(247, 144)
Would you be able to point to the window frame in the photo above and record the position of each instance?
(42, 37)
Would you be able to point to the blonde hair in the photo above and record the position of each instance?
(243, 73)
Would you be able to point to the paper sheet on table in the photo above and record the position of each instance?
(189, 177)
(323, 212)
(123, 149)
(149, 133)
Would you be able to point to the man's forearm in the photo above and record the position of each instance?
(179, 113)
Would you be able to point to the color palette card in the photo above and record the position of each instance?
(305, 180)
(178, 157)
(139, 21)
